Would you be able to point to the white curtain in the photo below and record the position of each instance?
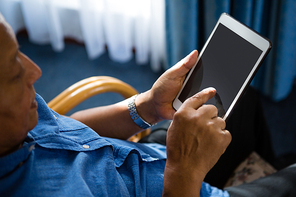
(122, 25)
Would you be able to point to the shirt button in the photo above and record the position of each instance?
(85, 146)
(32, 147)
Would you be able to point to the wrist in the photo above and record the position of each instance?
(146, 109)
(192, 172)
(181, 181)
(135, 115)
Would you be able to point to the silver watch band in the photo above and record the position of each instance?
(134, 114)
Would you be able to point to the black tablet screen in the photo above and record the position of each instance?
(224, 65)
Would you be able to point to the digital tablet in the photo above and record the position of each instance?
(227, 62)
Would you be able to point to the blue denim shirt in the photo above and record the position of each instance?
(63, 157)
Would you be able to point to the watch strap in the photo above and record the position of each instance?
(134, 114)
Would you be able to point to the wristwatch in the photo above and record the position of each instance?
(134, 114)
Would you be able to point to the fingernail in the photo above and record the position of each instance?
(210, 89)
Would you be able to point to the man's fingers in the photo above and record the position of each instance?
(184, 65)
(220, 122)
(200, 98)
(227, 139)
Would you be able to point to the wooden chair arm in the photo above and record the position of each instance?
(89, 87)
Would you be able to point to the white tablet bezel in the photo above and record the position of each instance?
(248, 34)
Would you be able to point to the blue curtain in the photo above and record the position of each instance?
(189, 23)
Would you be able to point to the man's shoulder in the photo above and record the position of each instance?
(56, 131)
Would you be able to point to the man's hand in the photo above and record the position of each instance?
(197, 134)
(165, 89)
(195, 141)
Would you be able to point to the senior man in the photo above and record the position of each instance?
(45, 154)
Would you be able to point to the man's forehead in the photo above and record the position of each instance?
(1, 17)
(3, 25)
(5, 29)
(7, 36)
(8, 44)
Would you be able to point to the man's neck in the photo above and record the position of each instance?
(7, 150)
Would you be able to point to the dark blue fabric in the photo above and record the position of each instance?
(63, 157)
(189, 23)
